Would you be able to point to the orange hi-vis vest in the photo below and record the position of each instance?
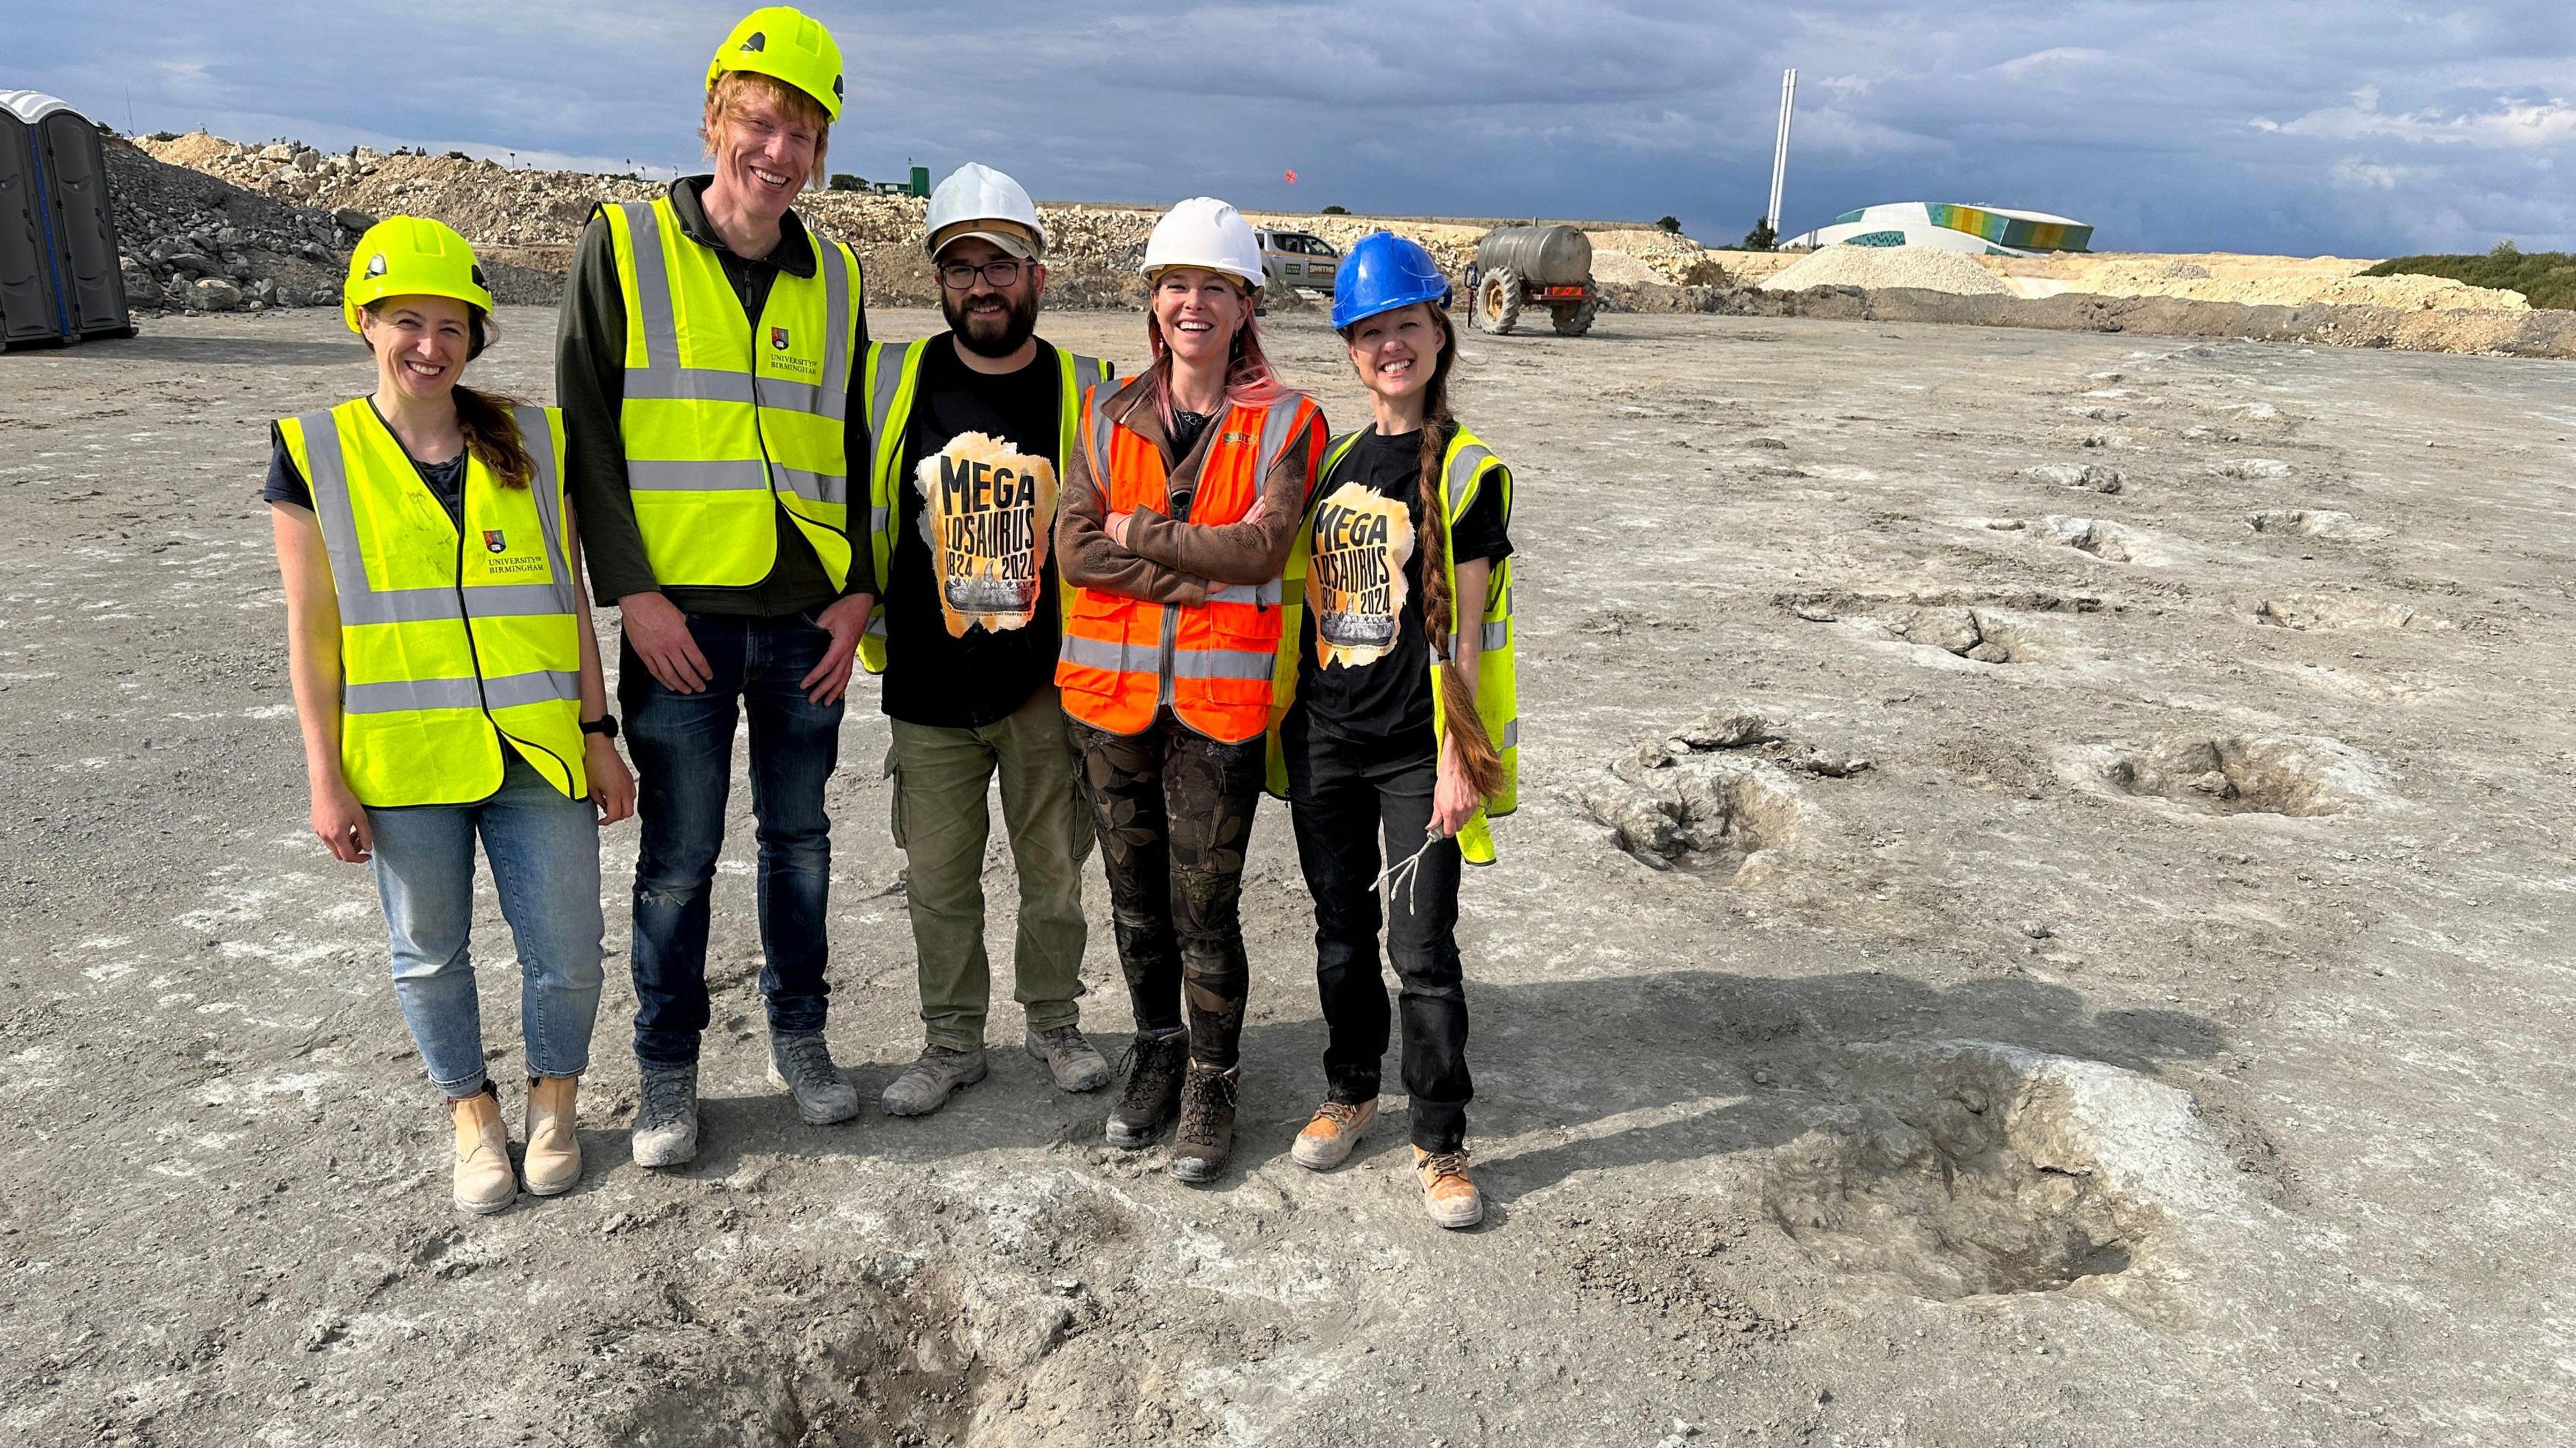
(1123, 659)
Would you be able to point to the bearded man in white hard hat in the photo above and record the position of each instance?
(705, 363)
(968, 431)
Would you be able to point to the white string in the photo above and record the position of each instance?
(1403, 873)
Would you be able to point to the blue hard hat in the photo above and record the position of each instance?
(1382, 272)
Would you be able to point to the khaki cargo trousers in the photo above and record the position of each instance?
(941, 824)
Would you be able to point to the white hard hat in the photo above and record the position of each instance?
(977, 200)
(1205, 232)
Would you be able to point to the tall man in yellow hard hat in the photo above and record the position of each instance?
(968, 429)
(707, 354)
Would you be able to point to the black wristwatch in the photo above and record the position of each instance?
(604, 726)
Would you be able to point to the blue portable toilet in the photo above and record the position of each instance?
(59, 279)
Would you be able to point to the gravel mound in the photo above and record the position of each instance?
(190, 241)
(2400, 293)
(1877, 268)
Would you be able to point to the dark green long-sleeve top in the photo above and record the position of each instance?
(590, 386)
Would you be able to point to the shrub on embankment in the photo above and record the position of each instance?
(2545, 278)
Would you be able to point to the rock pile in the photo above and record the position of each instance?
(194, 242)
(1876, 268)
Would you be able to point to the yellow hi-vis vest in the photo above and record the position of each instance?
(451, 640)
(893, 373)
(1468, 468)
(724, 421)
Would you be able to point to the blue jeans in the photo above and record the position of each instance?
(544, 851)
(683, 750)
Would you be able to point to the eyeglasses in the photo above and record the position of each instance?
(957, 276)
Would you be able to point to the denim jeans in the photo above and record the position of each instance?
(683, 750)
(941, 825)
(1344, 798)
(544, 851)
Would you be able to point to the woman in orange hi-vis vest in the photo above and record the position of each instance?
(1178, 513)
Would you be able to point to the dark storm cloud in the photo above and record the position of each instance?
(2360, 126)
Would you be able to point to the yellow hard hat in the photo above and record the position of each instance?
(408, 256)
(785, 42)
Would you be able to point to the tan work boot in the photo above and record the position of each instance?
(1327, 1140)
(484, 1182)
(552, 1164)
(1448, 1193)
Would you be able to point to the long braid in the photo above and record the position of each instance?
(1476, 753)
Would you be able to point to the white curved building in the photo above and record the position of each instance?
(1946, 226)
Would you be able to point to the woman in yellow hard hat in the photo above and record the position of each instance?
(448, 686)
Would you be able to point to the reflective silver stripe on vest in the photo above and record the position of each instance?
(1491, 638)
(891, 362)
(834, 399)
(1247, 593)
(1088, 373)
(674, 383)
(1462, 471)
(747, 475)
(1279, 429)
(1222, 664)
(1101, 428)
(1128, 658)
(877, 518)
(547, 490)
(361, 604)
(652, 291)
(1120, 658)
(506, 691)
(1511, 733)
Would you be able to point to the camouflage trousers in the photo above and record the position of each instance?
(1173, 810)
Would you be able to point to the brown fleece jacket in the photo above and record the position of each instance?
(1166, 561)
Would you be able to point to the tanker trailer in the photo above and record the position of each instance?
(1541, 266)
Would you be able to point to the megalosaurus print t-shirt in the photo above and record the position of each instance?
(1363, 659)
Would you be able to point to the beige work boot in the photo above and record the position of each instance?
(1327, 1140)
(1448, 1193)
(484, 1181)
(552, 1163)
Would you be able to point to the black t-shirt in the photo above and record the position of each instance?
(1389, 697)
(932, 679)
(286, 484)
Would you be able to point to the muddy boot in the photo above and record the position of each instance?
(1327, 1140)
(1074, 1062)
(927, 1083)
(666, 1123)
(1153, 1093)
(802, 1067)
(1205, 1137)
(1448, 1193)
(484, 1181)
(552, 1163)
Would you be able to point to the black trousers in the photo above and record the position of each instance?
(1345, 798)
(1173, 809)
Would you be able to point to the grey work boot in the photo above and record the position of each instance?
(666, 1121)
(927, 1083)
(1153, 1094)
(1073, 1061)
(802, 1067)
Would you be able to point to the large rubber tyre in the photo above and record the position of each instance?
(1576, 320)
(1498, 299)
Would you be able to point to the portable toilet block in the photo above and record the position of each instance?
(59, 280)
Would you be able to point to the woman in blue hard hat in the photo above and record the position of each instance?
(448, 686)
(1394, 714)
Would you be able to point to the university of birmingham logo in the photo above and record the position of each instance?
(778, 339)
(493, 542)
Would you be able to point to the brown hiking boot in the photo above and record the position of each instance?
(1327, 1140)
(484, 1181)
(1205, 1137)
(552, 1163)
(1153, 1094)
(1448, 1193)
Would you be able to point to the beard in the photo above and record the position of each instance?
(991, 336)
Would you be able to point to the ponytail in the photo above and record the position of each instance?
(492, 435)
(1477, 756)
